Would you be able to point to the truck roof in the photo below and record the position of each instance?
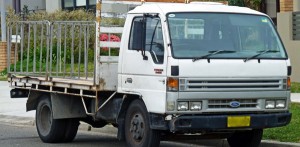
(165, 8)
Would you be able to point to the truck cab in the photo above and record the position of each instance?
(205, 68)
(183, 71)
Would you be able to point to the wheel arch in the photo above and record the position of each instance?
(128, 98)
(33, 99)
(63, 106)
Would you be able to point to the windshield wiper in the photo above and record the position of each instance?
(211, 53)
(260, 53)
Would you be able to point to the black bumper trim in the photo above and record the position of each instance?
(219, 122)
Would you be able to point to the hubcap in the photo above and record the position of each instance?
(137, 127)
(45, 119)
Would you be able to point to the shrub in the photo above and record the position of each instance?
(253, 4)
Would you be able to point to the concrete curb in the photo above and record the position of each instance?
(17, 120)
(109, 129)
(29, 121)
(269, 143)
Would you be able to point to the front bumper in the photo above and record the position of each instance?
(219, 122)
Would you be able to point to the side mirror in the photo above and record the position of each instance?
(139, 37)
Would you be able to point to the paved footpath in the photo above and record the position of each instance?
(295, 97)
(13, 111)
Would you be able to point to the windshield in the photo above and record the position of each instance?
(196, 35)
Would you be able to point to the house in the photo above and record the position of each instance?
(53, 5)
(288, 26)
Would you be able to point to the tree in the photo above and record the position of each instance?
(240, 3)
(253, 4)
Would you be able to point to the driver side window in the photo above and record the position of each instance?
(154, 42)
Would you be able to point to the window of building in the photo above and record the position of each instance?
(92, 2)
(79, 4)
(68, 3)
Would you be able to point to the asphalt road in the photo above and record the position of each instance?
(26, 136)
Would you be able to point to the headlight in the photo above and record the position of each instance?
(195, 106)
(183, 106)
(280, 103)
(270, 104)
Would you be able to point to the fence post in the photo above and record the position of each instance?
(3, 54)
(3, 20)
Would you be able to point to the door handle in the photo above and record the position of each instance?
(128, 80)
(163, 81)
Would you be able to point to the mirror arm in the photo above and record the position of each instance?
(144, 39)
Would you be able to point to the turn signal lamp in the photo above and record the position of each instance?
(288, 83)
(172, 84)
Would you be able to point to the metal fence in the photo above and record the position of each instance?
(62, 49)
(296, 25)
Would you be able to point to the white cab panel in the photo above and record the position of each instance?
(232, 68)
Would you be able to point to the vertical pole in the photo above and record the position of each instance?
(3, 21)
(96, 76)
(65, 49)
(79, 48)
(41, 48)
(296, 5)
(34, 47)
(72, 51)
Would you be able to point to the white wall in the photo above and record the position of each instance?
(271, 8)
(284, 26)
(118, 7)
(8, 4)
(53, 5)
(296, 4)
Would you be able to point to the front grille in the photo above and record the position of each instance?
(231, 84)
(225, 103)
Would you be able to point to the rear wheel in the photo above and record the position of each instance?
(246, 138)
(70, 129)
(50, 130)
(54, 130)
(137, 128)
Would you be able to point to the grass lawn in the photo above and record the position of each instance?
(289, 133)
(3, 78)
(295, 88)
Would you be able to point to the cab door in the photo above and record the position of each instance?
(144, 67)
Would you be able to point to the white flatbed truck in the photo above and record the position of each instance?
(183, 71)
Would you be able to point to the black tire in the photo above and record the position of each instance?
(246, 138)
(50, 130)
(137, 127)
(70, 129)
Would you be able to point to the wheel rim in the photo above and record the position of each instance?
(45, 120)
(137, 127)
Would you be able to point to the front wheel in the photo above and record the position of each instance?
(246, 138)
(137, 128)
